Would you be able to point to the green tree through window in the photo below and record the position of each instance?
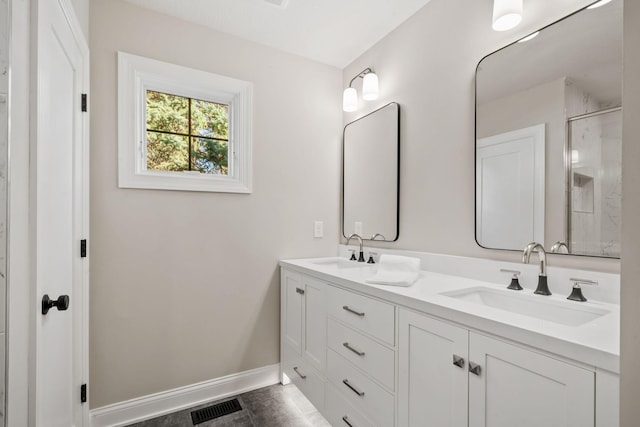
(186, 134)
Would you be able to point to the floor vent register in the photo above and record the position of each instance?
(215, 411)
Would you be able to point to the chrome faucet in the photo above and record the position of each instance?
(555, 248)
(355, 236)
(543, 287)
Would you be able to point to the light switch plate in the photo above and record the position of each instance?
(318, 229)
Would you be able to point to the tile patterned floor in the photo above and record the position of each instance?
(274, 406)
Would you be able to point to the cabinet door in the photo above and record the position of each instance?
(432, 391)
(315, 323)
(607, 399)
(292, 292)
(518, 387)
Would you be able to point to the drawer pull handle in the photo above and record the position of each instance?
(355, 390)
(300, 291)
(346, 421)
(304, 377)
(351, 310)
(358, 352)
(458, 361)
(474, 369)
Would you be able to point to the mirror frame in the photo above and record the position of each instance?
(397, 210)
(566, 183)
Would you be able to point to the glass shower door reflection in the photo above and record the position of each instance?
(595, 183)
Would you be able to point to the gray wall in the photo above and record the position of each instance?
(428, 65)
(630, 292)
(185, 285)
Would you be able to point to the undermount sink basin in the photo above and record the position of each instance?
(341, 263)
(565, 313)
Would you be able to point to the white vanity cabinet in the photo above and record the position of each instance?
(361, 356)
(304, 333)
(367, 360)
(431, 389)
(447, 374)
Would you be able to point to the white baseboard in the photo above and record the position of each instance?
(155, 405)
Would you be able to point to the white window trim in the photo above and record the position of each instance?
(136, 75)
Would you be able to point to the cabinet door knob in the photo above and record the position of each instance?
(351, 310)
(458, 361)
(348, 346)
(304, 377)
(355, 390)
(300, 291)
(474, 368)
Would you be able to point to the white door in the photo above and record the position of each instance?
(59, 202)
(510, 189)
(432, 390)
(517, 387)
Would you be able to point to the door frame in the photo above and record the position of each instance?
(22, 303)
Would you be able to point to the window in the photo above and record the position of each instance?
(186, 134)
(182, 129)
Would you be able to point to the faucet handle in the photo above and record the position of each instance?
(514, 272)
(515, 283)
(578, 282)
(372, 259)
(576, 292)
(353, 255)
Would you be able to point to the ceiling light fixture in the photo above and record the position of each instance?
(369, 90)
(507, 14)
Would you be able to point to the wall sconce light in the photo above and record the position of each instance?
(369, 90)
(507, 14)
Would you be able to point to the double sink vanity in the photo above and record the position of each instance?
(449, 350)
(463, 347)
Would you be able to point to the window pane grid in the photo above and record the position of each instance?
(204, 149)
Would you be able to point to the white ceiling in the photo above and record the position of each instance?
(334, 32)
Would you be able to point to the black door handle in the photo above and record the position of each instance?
(62, 303)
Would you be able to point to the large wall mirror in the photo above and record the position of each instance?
(548, 138)
(370, 167)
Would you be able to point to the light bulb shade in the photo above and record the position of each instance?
(350, 100)
(370, 87)
(506, 14)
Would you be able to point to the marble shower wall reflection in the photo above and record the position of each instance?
(595, 174)
(4, 119)
(596, 184)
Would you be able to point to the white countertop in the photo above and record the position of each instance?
(595, 343)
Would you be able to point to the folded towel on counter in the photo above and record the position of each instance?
(396, 270)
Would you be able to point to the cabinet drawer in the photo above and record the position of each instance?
(341, 413)
(360, 391)
(308, 381)
(373, 358)
(374, 317)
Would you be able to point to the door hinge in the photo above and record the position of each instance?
(84, 102)
(83, 393)
(83, 248)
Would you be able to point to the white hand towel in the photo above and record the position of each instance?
(396, 270)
